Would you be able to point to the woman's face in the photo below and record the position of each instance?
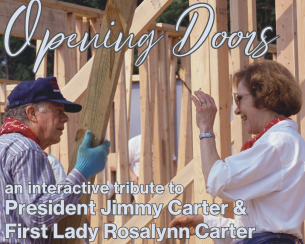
(253, 118)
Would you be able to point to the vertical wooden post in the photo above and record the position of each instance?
(252, 22)
(239, 21)
(128, 72)
(285, 45)
(200, 73)
(167, 157)
(220, 87)
(156, 126)
(95, 26)
(145, 174)
(172, 103)
(186, 133)
(121, 142)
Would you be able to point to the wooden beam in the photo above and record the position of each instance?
(51, 18)
(185, 178)
(99, 98)
(239, 21)
(80, 11)
(145, 174)
(220, 88)
(121, 144)
(129, 56)
(144, 16)
(147, 12)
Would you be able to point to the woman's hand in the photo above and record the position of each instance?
(189, 221)
(205, 111)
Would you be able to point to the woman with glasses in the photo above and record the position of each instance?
(269, 172)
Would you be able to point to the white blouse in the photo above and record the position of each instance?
(269, 178)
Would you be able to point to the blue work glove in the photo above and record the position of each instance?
(90, 161)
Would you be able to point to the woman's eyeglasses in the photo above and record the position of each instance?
(239, 96)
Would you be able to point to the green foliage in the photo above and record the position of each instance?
(20, 67)
(173, 11)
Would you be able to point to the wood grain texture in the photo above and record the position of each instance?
(52, 18)
(239, 21)
(220, 88)
(102, 85)
(200, 73)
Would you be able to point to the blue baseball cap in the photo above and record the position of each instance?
(42, 89)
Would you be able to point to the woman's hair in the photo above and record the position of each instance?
(19, 112)
(272, 86)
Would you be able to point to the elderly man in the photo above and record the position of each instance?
(34, 120)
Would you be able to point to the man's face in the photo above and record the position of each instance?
(50, 123)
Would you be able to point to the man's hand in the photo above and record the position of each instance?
(90, 161)
(189, 221)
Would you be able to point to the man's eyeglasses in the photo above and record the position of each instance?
(239, 96)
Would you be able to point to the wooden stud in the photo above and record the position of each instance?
(239, 21)
(156, 125)
(172, 102)
(164, 109)
(285, 29)
(252, 23)
(128, 72)
(145, 174)
(121, 141)
(95, 27)
(220, 88)
(98, 101)
(200, 73)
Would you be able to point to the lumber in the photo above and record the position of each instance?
(164, 109)
(129, 55)
(252, 23)
(239, 21)
(80, 11)
(9, 82)
(200, 73)
(185, 151)
(156, 124)
(121, 144)
(284, 24)
(285, 29)
(145, 174)
(144, 16)
(52, 18)
(99, 98)
(185, 178)
(220, 89)
(172, 99)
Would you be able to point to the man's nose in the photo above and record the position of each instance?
(64, 118)
(237, 111)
